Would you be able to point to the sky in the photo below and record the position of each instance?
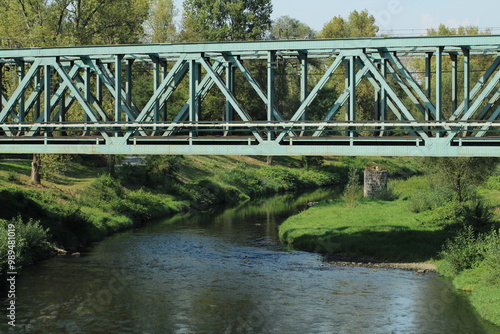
(397, 17)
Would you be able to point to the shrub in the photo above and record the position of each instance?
(429, 199)
(387, 194)
(465, 251)
(474, 213)
(32, 242)
(353, 191)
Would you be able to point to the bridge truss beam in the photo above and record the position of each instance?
(87, 100)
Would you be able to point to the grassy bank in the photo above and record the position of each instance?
(377, 230)
(421, 223)
(81, 203)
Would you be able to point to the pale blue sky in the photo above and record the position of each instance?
(399, 16)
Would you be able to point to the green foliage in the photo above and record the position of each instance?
(312, 161)
(161, 22)
(428, 198)
(493, 182)
(452, 214)
(359, 24)
(466, 250)
(162, 169)
(387, 194)
(206, 193)
(54, 165)
(473, 261)
(86, 22)
(31, 242)
(101, 192)
(245, 180)
(224, 20)
(353, 191)
(459, 174)
(285, 27)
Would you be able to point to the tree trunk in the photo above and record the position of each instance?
(111, 165)
(36, 168)
(269, 160)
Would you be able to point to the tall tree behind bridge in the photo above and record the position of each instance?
(358, 24)
(224, 20)
(39, 23)
(160, 26)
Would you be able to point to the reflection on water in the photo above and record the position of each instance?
(224, 272)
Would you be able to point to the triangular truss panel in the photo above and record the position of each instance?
(418, 96)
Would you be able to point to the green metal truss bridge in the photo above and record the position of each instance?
(430, 96)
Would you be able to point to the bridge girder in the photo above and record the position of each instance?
(85, 100)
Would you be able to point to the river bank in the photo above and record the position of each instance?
(224, 271)
(81, 203)
(379, 233)
(345, 261)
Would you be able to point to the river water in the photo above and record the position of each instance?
(225, 272)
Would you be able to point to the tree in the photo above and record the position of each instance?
(459, 174)
(40, 23)
(285, 27)
(225, 20)
(161, 24)
(359, 24)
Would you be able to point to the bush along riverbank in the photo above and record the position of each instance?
(417, 220)
(81, 203)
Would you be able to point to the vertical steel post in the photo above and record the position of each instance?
(352, 95)
(466, 82)
(88, 96)
(428, 82)
(98, 90)
(383, 97)
(230, 88)
(193, 101)
(118, 89)
(47, 88)
(347, 85)
(164, 109)
(1, 86)
(36, 107)
(156, 84)
(271, 61)
(454, 82)
(129, 83)
(439, 86)
(21, 70)
(304, 72)
(62, 105)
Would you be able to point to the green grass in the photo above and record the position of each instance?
(409, 230)
(380, 230)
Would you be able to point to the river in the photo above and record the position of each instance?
(225, 272)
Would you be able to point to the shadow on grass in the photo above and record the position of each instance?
(16, 203)
(398, 244)
(23, 168)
